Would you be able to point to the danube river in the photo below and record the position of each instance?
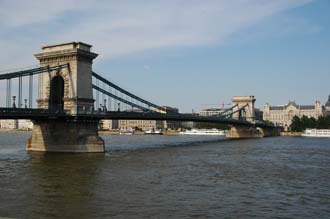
(169, 177)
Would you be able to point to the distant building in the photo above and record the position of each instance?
(211, 111)
(24, 124)
(169, 124)
(258, 114)
(142, 124)
(282, 115)
(9, 124)
(188, 125)
(12, 124)
(108, 124)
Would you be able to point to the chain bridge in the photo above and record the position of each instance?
(72, 99)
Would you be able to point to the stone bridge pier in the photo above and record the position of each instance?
(67, 90)
(237, 132)
(248, 114)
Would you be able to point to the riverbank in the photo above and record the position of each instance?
(292, 134)
(103, 132)
(117, 132)
(14, 131)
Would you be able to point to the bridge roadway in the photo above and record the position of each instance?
(45, 114)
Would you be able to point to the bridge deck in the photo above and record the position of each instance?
(44, 114)
(37, 114)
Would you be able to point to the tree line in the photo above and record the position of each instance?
(300, 124)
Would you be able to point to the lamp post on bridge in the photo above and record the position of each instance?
(14, 104)
(105, 105)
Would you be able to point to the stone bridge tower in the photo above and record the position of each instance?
(68, 89)
(248, 113)
(249, 110)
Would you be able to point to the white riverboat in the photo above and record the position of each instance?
(318, 133)
(203, 132)
(153, 132)
(126, 133)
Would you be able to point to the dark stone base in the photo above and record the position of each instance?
(65, 136)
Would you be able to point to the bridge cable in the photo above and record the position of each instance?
(30, 90)
(119, 98)
(109, 99)
(97, 95)
(126, 92)
(32, 71)
(20, 92)
(103, 96)
(8, 93)
(240, 109)
(225, 113)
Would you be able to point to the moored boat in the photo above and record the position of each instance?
(126, 133)
(203, 132)
(317, 133)
(153, 132)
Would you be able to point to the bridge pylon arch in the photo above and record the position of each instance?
(246, 103)
(56, 94)
(78, 91)
(66, 90)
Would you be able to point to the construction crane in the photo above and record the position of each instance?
(221, 105)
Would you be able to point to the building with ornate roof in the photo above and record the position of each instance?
(282, 115)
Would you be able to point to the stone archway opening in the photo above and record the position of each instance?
(56, 95)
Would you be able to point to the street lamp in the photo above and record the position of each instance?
(14, 104)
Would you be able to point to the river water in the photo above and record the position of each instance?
(169, 177)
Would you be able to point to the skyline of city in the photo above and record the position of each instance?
(276, 51)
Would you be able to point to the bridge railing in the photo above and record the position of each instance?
(19, 75)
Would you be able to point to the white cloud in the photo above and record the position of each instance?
(19, 13)
(117, 29)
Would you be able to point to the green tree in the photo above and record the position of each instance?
(300, 124)
(313, 123)
(296, 124)
(269, 122)
(308, 122)
(322, 123)
(327, 119)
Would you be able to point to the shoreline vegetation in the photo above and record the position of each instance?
(300, 124)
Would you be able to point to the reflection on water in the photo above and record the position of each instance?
(64, 183)
(169, 177)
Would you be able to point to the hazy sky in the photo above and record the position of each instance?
(184, 53)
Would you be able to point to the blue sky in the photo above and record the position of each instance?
(185, 53)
